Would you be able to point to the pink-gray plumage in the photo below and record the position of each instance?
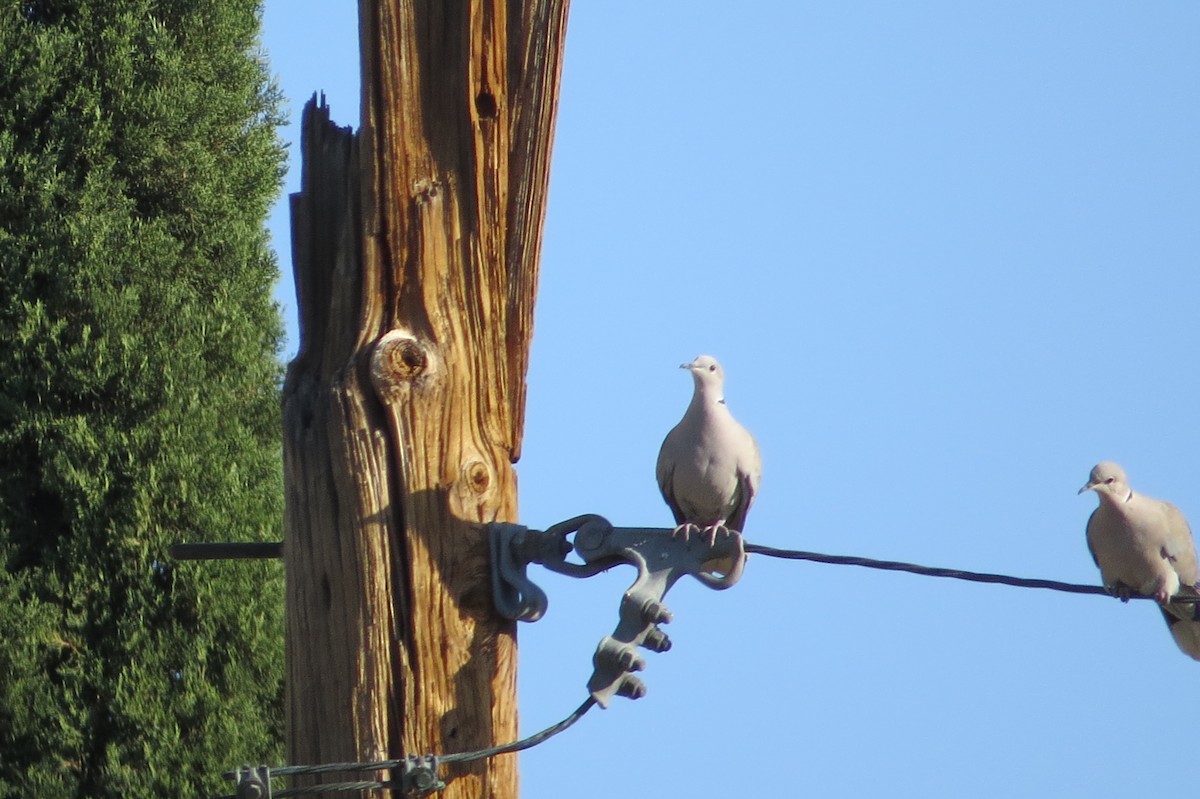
(709, 466)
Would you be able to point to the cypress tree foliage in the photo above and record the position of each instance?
(138, 397)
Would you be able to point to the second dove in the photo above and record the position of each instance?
(1144, 545)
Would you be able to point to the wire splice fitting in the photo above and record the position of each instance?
(661, 558)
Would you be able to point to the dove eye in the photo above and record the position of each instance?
(712, 368)
(1109, 480)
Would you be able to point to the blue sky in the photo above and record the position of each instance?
(947, 254)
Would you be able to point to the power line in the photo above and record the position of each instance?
(429, 763)
(379, 765)
(954, 574)
(524, 743)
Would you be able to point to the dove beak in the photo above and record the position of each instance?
(1087, 487)
(685, 366)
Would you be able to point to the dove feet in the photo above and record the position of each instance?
(687, 530)
(1120, 591)
(709, 533)
(714, 530)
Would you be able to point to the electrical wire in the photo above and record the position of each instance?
(954, 574)
(378, 765)
(334, 787)
(524, 743)
(755, 549)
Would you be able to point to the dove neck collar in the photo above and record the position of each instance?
(702, 407)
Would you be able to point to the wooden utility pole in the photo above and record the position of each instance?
(416, 247)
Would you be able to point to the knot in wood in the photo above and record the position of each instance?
(479, 476)
(398, 359)
(485, 105)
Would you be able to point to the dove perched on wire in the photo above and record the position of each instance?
(1144, 545)
(709, 466)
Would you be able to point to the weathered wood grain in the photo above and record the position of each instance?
(416, 249)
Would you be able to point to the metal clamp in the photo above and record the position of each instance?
(253, 782)
(513, 548)
(661, 559)
(419, 775)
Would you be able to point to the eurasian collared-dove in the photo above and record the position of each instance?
(1144, 545)
(709, 466)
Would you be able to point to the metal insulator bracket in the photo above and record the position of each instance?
(660, 557)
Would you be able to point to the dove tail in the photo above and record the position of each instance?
(1183, 620)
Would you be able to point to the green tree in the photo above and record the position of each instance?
(138, 396)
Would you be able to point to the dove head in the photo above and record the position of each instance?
(1109, 481)
(708, 375)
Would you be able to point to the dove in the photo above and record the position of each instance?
(709, 465)
(1144, 545)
